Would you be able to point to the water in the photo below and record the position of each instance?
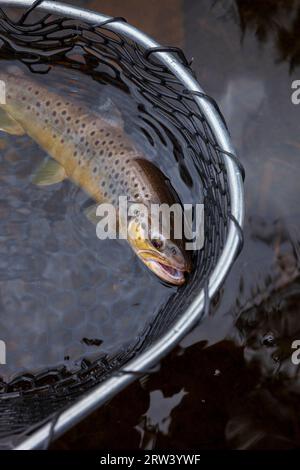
(65, 295)
(231, 383)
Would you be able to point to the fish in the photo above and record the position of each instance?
(93, 150)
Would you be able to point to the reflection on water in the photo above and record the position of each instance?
(232, 380)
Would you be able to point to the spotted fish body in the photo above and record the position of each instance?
(95, 154)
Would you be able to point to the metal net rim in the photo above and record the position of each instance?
(198, 308)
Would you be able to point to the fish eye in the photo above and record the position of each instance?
(157, 243)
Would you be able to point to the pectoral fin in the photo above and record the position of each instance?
(9, 125)
(50, 172)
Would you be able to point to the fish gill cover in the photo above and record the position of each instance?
(41, 43)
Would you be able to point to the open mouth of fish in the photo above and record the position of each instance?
(168, 273)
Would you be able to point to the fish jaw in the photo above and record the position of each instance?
(167, 266)
(166, 273)
(167, 270)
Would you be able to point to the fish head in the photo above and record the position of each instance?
(165, 257)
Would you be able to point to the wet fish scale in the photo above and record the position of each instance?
(96, 155)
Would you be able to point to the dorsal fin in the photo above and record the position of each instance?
(111, 114)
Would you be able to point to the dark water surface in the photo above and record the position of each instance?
(231, 383)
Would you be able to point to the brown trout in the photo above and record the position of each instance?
(96, 154)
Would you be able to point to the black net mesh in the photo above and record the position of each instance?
(43, 41)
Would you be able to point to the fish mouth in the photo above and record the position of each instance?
(167, 273)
